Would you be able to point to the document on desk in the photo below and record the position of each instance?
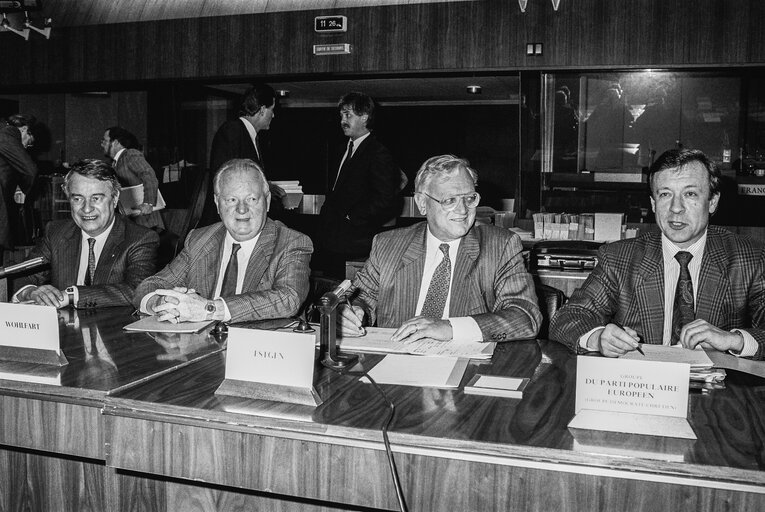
(428, 372)
(378, 339)
(671, 354)
(151, 324)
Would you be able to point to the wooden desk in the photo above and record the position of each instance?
(173, 443)
(52, 438)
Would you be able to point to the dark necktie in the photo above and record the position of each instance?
(232, 271)
(435, 300)
(348, 156)
(682, 312)
(91, 262)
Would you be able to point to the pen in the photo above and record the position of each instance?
(640, 350)
(620, 326)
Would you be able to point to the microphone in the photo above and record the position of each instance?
(328, 335)
(332, 299)
(24, 265)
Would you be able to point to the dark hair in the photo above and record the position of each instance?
(261, 95)
(676, 158)
(361, 104)
(124, 137)
(95, 169)
(19, 120)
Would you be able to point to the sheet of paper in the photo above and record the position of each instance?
(151, 324)
(671, 354)
(729, 362)
(491, 381)
(650, 425)
(430, 372)
(130, 197)
(377, 339)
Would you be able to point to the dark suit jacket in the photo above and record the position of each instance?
(275, 282)
(627, 287)
(490, 281)
(16, 168)
(366, 197)
(231, 141)
(128, 257)
(133, 169)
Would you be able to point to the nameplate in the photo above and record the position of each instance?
(632, 396)
(29, 334)
(270, 365)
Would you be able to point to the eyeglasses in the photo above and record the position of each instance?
(450, 203)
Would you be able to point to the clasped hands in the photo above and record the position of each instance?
(350, 320)
(614, 341)
(180, 304)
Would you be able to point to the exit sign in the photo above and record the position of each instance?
(329, 24)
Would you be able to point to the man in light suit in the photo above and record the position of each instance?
(132, 169)
(247, 267)
(408, 282)
(16, 169)
(689, 283)
(97, 257)
(363, 192)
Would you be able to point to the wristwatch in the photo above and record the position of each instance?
(211, 309)
(70, 292)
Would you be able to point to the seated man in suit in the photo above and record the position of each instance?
(247, 267)
(97, 256)
(689, 283)
(446, 278)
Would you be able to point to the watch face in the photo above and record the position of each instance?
(210, 307)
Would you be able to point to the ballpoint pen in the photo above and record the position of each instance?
(620, 326)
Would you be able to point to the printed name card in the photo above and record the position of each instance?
(29, 334)
(632, 396)
(270, 365)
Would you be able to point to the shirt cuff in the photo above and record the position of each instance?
(226, 312)
(143, 307)
(586, 336)
(750, 345)
(76, 296)
(465, 328)
(15, 299)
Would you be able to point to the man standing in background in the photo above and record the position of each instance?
(16, 169)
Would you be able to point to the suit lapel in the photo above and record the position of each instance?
(649, 285)
(409, 270)
(260, 257)
(112, 248)
(713, 281)
(70, 254)
(345, 170)
(462, 293)
(212, 255)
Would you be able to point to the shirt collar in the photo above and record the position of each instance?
(250, 129)
(669, 249)
(247, 246)
(103, 236)
(433, 244)
(119, 153)
(357, 142)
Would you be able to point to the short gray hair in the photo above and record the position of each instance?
(239, 164)
(95, 169)
(442, 165)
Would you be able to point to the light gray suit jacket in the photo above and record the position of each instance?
(275, 282)
(490, 282)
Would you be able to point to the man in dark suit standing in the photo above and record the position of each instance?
(446, 278)
(97, 258)
(363, 193)
(238, 138)
(16, 169)
(689, 283)
(247, 267)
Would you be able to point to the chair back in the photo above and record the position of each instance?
(550, 299)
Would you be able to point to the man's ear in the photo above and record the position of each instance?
(653, 205)
(422, 204)
(714, 201)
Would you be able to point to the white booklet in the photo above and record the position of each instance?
(152, 324)
(377, 339)
(430, 372)
(131, 197)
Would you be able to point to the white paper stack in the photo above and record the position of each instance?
(294, 193)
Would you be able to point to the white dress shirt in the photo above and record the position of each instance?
(253, 134)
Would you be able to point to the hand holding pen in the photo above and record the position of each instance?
(616, 340)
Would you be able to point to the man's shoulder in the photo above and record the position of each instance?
(135, 232)
(58, 229)
(399, 234)
(734, 244)
(286, 233)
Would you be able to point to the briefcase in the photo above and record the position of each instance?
(567, 255)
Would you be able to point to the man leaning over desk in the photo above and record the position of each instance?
(689, 283)
(97, 257)
(247, 267)
(446, 278)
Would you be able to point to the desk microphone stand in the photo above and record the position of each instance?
(328, 334)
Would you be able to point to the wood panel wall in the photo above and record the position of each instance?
(454, 36)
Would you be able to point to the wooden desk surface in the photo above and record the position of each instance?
(430, 425)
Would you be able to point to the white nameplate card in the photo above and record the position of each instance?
(631, 396)
(29, 334)
(270, 365)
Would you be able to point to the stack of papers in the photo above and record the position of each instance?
(698, 359)
(429, 372)
(378, 339)
(294, 193)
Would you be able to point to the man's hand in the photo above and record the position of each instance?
(701, 332)
(47, 295)
(180, 305)
(145, 208)
(613, 341)
(423, 327)
(350, 320)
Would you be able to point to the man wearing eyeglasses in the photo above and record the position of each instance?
(97, 258)
(446, 278)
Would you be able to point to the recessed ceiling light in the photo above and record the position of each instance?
(473, 89)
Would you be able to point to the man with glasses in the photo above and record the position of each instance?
(97, 258)
(447, 278)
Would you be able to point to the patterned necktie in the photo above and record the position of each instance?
(91, 262)
(435, 300)
(683, 310)
(348, 156)
(232, 271)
